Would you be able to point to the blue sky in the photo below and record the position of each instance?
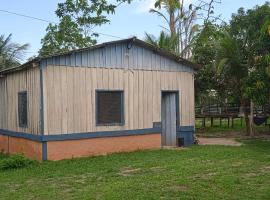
(129, 20)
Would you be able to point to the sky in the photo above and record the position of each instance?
(129, 20)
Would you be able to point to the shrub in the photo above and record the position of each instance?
(3, 155)
(16, 161)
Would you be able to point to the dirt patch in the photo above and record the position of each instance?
(177, 188)
(265, 169)
(219, 141)
(128, 171)
(203, 176)
(251, 174)
(237, 164)
(157, 169)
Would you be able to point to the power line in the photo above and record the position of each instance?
(108, 35)
(27, 16)
(47, 21)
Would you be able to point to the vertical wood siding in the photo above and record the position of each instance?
(70, 106)
(26, 80)
(118, 56)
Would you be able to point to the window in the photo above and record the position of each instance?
(110, 107)
(22, 109)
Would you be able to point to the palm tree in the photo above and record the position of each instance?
(164, 41)
(11, 54)
(180, 21)
(232, 68)
(171, 7)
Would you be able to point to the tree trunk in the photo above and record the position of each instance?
(247, 122)
(172, 24)
(251, 119)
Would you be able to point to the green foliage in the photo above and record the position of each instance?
(237, 55)
(204, 51)
(250, 30)
(77, 18)
(168, 4)
(11, 53)
(165, 41)
(240, 62)
(257, 87)
(15, 161)
(181, 21)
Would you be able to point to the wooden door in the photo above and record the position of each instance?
(168, 119)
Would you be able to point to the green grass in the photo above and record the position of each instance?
(201, 172)
(224, 128)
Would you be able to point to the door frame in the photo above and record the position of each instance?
(177, 101)
(177, 104)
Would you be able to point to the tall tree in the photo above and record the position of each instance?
(11, 54)
(243, 58)
(204, 52)
(171, 7)
(77, 18)
(182, 20)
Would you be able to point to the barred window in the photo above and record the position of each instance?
(110, 107)
(22, 109)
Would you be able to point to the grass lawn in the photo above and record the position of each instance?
(200, 172)
(224, 129)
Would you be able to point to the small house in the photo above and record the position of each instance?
(118, 96)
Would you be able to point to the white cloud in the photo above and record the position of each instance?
(144, 6)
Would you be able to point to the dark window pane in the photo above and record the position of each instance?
(109, 107)
(22, 109)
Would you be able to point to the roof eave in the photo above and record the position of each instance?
(31, 63)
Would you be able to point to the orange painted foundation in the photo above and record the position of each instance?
(13, 145)
(67, 149)
(58, 150)
(3, 143)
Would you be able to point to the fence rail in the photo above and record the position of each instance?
(227, 112)
(229, 109)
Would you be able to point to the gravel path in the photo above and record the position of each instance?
(219, 141)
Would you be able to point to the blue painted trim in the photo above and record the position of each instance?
(21, 135)
(187, 134)
(44, 151)
(78, 136)
(186, 128)
(89, 135)
(101, 134)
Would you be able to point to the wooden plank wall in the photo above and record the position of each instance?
(69, 97)
(118, 56)
(25, 80)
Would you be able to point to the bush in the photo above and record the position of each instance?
(2, 155)
(16, 161)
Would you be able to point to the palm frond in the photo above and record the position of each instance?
(150, 39)
(11, 53)
(159, 14)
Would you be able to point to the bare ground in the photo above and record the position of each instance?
(219, 141)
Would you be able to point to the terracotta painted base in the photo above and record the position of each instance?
(13, 145)
(67, 149)
(58, 150)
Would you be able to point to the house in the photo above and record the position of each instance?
(118, 96)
